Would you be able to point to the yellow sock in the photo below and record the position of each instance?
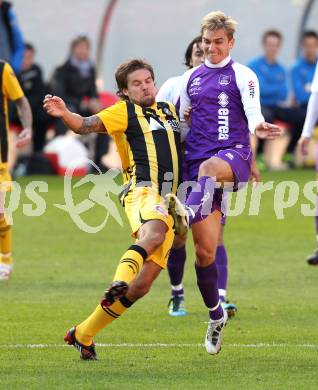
(5, 241)
(99, 319)
(128, 268)
(130, 264)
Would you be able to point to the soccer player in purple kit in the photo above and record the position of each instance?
(224, 100)
(170, 91)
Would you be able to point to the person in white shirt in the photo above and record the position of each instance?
(303, 143)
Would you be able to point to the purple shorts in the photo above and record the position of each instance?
(239, 158)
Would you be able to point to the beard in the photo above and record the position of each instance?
(146, 101)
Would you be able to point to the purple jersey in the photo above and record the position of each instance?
(225, 107)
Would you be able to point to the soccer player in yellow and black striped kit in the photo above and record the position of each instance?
(147, 136)
(9, 90)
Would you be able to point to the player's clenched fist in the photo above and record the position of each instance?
(54, 106)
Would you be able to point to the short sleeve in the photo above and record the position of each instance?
(11, 86)
(115, 118)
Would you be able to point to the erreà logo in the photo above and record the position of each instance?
(251, 88)
(230, 156)
(223, 99)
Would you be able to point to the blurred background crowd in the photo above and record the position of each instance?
(284, 85)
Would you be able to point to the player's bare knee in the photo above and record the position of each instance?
(208, 168)
(204, 256)
(220, 170)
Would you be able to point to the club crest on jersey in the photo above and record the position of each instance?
(224, 79)
(167, 111)
(223, 99)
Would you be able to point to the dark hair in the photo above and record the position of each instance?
(188, 52)
(271, 33)
(309, 34)
(29, 46)
(79, 39)
(125, 69)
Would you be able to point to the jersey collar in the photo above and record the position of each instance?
(219, 65)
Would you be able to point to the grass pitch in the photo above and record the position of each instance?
(60, 273)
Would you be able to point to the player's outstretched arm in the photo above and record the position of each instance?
(55, 106)
(25, 116)
(269, 131)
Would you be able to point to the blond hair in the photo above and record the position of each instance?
(218, 20)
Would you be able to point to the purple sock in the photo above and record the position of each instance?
(200, 200)
(221, 264)
(207, 280)
(175, 265)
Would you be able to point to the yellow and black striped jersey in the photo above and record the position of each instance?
(9, 89)
(148, 142)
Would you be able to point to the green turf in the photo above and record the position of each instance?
(60, 273)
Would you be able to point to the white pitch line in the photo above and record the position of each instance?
(160, 345)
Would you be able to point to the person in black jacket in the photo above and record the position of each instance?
(74, 81)
(34, 88)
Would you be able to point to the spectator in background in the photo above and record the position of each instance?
(33, 86)
(11, 39)
(74, 82)
(302, 73)
(307, 132)
(272, 78)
